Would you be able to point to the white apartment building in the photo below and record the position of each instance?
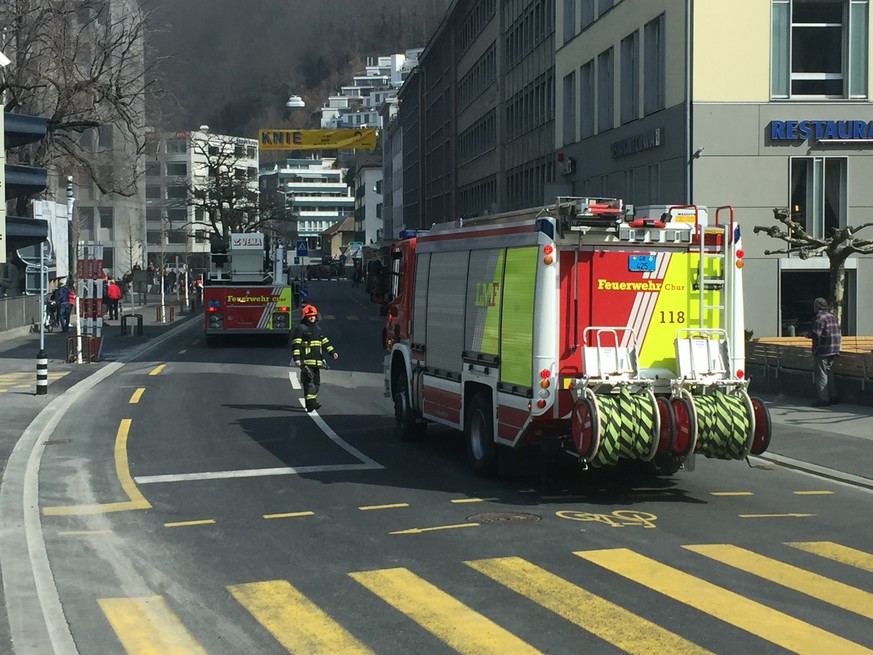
(315, 194)
(176, 163)
(358, 105)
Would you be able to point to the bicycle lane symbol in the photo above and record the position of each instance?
(618, 519)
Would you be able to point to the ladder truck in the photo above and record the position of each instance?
(241, 296)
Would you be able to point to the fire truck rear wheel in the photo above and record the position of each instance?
(408, 429)
(479, 430)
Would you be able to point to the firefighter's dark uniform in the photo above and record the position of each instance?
(310, 346)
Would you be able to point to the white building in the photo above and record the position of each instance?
(315, 194)
(368, 202)
(176, 163)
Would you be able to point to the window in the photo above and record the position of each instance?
(586, 14)
(177, 192)
(153, 214)
(586, 100)
(604, 91)
(630, 76)
(177, 146)
(603, 6)
(819, 48)
(177, 169)
(153, 168)
(177, 215)
(655, 52)
(569, 19)
(818, 193)
(153, 191)
(569, 108)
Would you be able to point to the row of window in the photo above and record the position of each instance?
(479, 16)
(525, 183)
(472, 198)
(480, 76)
(529, 30)
(531, 107)
(595, 110)
(478, 139)
(575, 22)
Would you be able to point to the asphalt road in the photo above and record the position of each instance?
(190, 505)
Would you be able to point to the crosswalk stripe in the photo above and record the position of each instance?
(836, 552)
(295, 621)
(447, 618)
(830, 591)
(147, 626)
(753, 617)
(612, 623)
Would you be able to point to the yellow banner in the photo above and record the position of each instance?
(363, 139)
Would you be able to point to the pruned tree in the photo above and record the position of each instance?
(224, 186)
(82, 64)
(838, 247)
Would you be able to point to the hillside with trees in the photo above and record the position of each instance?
(232, 65)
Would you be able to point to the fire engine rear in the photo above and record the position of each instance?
(240, 296)
(615, 334)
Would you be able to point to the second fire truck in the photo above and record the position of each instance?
(617, 335)
(241, 296)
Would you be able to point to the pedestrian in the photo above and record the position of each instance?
(114, 294)
(358, 277)
(64, 297)
(826, 342)
(308, 348)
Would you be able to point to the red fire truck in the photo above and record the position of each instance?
(611, 333)
(240, 296)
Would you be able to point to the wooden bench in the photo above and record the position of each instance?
(794, 353)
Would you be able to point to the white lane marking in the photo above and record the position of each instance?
(295, 380)
(366, 463)
(252, 473)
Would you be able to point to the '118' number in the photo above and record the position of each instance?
(672, 317)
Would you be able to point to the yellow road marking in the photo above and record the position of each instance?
(185, 524)
(461, 501)
(830, 591)
(755, 618)
(776, 516)
(623, 629)
(83, 533)
(567, 497)
(147, 625)
(367, 508)
(157, 369)
(351, 317)
(843, 554)
(445, 617)
(813, 493)
(435, 528)
(731, 493)
(134, 399)
(288, 515)
(377, 318)
(295, 621)
(183, 351)
(122, 469)
(328, 317)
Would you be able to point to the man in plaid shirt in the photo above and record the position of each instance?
(825, 335)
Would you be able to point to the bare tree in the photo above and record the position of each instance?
(838, 247)
(225, 189)
(81, 63)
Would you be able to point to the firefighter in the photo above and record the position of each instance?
(308, 348)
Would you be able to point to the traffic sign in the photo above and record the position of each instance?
(302, 249)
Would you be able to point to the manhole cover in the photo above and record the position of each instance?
(504, 517)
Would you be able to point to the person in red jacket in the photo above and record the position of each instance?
(114, 294)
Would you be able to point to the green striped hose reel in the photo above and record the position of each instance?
(610, 427)
(725, 424)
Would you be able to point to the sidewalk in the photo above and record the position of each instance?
(836, 442)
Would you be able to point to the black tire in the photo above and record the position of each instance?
(408, 428)
(479, 434)
(663, 465)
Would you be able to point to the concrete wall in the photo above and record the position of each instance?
(19, 311)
